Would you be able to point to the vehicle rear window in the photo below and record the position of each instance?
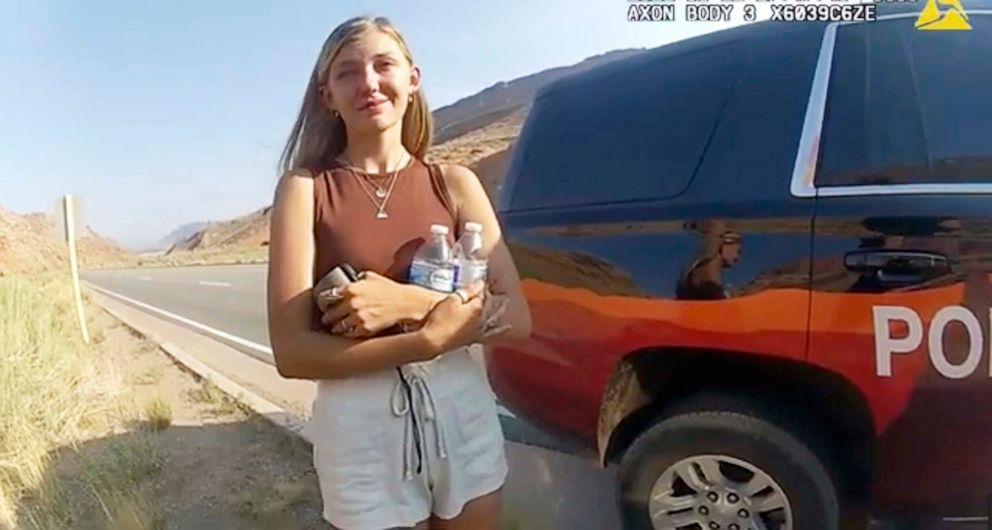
(906, 106)
(636, 134)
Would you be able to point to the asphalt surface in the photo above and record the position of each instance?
(548, 486)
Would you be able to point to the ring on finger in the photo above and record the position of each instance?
(333, 294)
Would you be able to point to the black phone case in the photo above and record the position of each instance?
(349, 271)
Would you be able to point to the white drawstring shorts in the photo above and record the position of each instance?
(390, 451)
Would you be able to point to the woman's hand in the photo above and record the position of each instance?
(460, 320)
(366, 307)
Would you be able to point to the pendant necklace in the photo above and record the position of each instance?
(383, 194)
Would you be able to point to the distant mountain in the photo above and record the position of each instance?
(477, 131)
(30, 243)
(506, 97)
(180, 234)
(251, 230)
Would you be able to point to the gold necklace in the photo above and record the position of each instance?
(384, 195)
(380, 191)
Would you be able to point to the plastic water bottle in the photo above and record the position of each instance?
(432, 265)
(470, 264)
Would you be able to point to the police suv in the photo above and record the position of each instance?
(759, 264)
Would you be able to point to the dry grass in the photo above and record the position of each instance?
(55, 393)
(220, 402)
(150, 377)
(270, 501)
(114, 476)
(158, 413)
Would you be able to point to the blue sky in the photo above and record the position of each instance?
(161, 113)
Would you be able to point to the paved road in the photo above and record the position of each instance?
(547, 487)
(227, 302)
(226, 298)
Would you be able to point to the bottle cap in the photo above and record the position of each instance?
(473, 227)
(439, 229)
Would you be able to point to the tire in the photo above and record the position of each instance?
(735, 433)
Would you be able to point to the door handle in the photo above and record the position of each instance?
(896, 266)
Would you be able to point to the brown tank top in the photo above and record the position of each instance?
(346, 228)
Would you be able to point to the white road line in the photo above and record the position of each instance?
(214, 284)
(202, 327)
(145, 278)
(500, 409)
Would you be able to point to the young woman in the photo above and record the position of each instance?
(406, 430)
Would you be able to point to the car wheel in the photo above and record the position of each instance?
(717, 465)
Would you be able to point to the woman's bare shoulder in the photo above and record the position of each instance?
(295, 181)
(299, 172)
(455, 173)
(460, 180)
(292, 216)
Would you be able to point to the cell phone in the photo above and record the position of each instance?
(339, 276)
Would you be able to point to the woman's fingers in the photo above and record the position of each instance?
(336, 313)
(340, 327)
(329, 297)
(470, 291)
(358, 332)
(351, 327)
(448, 304)
(323, 302)
(495, 332)
(495, 312)
(500, 310)
(476, 304)
(475, 287)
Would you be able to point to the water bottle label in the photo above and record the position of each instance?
(433, 277)
(468, 273)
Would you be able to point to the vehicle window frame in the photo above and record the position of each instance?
(803, 182)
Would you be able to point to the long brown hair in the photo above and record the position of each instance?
(318, 136)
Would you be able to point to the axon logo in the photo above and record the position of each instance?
(953, 18)
(887, 344)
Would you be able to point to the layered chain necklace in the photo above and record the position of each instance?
(380, 196)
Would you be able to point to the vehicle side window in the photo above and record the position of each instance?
(637, 134)
(907, 107)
